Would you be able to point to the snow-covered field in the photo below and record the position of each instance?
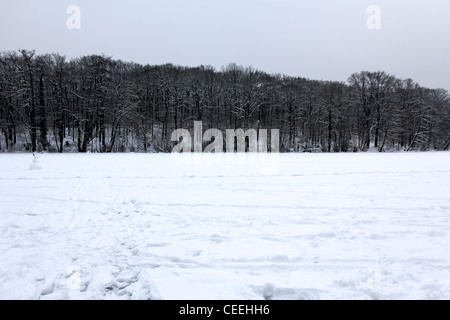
(301, 226)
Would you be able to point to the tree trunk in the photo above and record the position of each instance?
(447, 144)
(42, 116)
(377, 128)
(330, 128)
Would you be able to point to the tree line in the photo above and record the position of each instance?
(98, 104)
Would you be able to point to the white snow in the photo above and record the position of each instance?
(300, 226)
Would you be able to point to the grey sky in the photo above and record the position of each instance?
(318, 39)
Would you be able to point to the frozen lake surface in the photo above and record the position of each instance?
(294, 226)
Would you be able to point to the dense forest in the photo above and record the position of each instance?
(98, 104)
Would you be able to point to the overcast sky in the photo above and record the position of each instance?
(317, 39)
